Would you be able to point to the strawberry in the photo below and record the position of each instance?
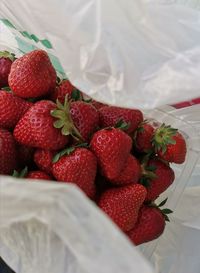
(150, 225)
(169, 144)
(164, 177)
(143, 137)
(38, 175)
(6, 60)
(24, 155)
(60, 92)
(97, 105)
(36, 128)
(85, 118)
(8, 154)
(111, 147)
(80, 119)
(43, 159)
(78, 166)
(12, 109)
(32, 75)
(130, 174)
(122, 204)
(111, 115)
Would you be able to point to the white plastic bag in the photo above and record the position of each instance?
(130, 53)
(47, 227)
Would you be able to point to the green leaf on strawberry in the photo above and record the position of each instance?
(20, 174)
(163, 136)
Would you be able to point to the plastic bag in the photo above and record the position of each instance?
(130, 53)
(47, 227)
(177, 251)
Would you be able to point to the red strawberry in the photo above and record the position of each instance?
(111, 147)
(85, 118)
(8, 154)
(143, 139)
(60, 92)
(170, 144)
(80, 119)
(164, 178)
(97, 105)
(36, 128)
(79, 167)
(43, 159)
(32, 75)
(150, 225)
(24, 155)
(6, 60)
(130, 174)
(38, 175)
(122, 204)
(111, 115)
(12, 109)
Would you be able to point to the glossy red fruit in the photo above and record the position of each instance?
(176, 152)
(150, 225)
(130, 173)
(43, 159)
(164, 178)
(8, 154)
(97, 105)
(111, 115)
(79, 167)
(122, 204)
(6, 60)
(32, 75)
(36, 128)
(111, 147)
(169, 144)
(78, 119)
(38, 175)
(85, 118)
(143, 139)
(12, 109)
(60, 92)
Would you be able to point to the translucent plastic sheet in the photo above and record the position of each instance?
(46, 227)
(132, 53)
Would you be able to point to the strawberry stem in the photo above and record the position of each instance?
(8, 55)
(64, 120)
(20, 174)
(163, 136)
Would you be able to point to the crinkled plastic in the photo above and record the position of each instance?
(46, 227)
(131, 53)
(177, 251)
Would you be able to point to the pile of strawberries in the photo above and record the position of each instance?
(50, 130)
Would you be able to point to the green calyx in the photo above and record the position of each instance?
(20, 174)
(148, 171)
(148, 174)
(68, 151)
(162, 137)
(64, 120)
(122, 125)
(76, 95)
(165, 212)
(6, 88)
(8, 55)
